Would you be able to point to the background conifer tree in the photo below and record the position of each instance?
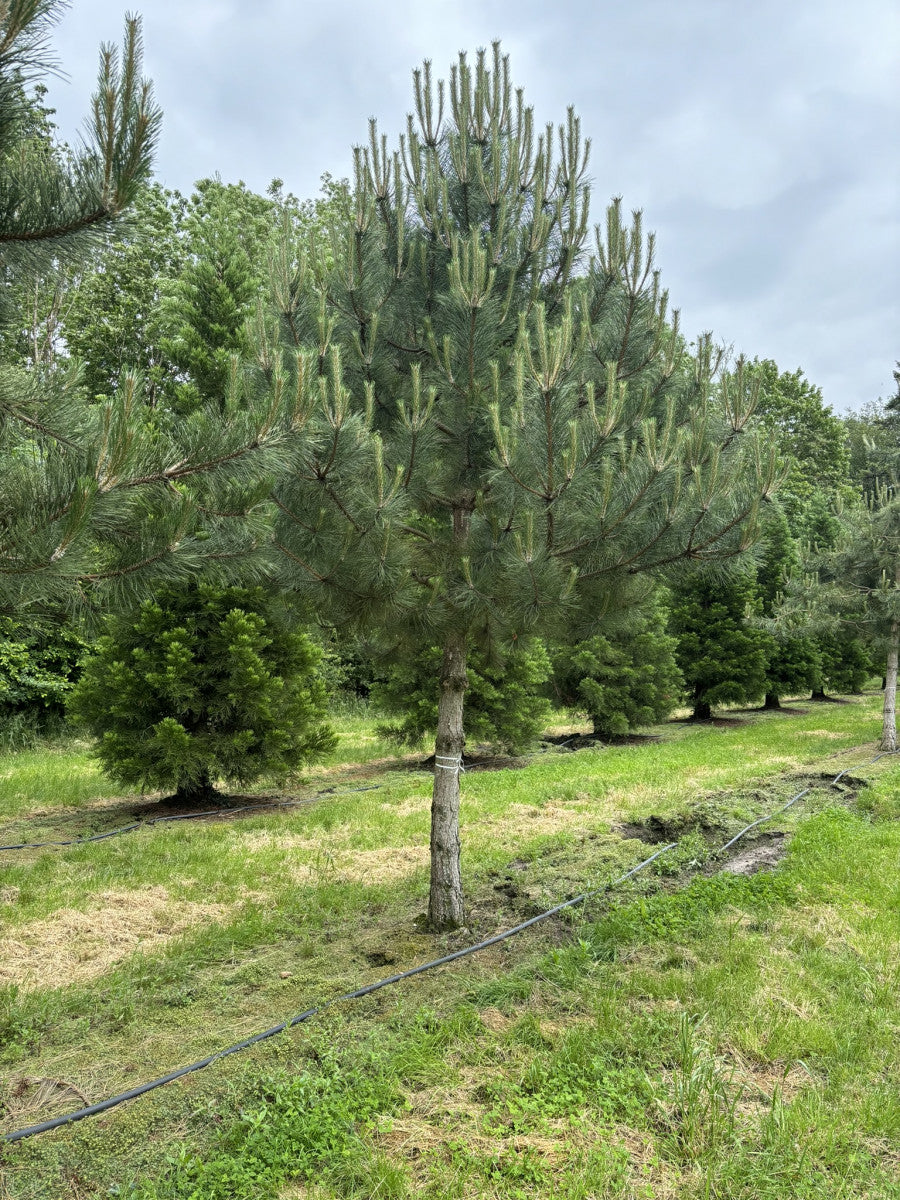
(625, 677)
(794, 662)
(202, 683)
(722, 656)
(506, 424)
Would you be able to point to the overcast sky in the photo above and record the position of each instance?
(761, 139)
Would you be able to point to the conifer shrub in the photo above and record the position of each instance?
(846, 663)
(203, 683)
(622, 679)
(723, 658)
(505, 702)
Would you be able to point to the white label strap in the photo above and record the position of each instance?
(444, 762)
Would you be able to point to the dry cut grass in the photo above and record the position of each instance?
(74, 945)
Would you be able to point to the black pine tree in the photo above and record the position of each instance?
(506, 423)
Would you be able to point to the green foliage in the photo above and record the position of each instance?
(55, 206)
(98, 498)
(504, 702)
(203, 682)
(226, 231)
(846, 664)
(685, 913)
(113, 320)
(722, 656)
(38, 666)
(301, 1127)
(625, 678)
(807, 433)
(794, 660)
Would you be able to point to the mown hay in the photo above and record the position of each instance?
(75, 945)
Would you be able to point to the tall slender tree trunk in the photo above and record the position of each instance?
(445, 904)
(889, 718)
(889, 712)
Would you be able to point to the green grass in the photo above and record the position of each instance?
(714, 1036)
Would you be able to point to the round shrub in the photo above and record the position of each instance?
(202, 683)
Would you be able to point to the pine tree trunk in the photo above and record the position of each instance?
(702, 708)
(445, 904)
(889, 720)
(195, 791)
(771, 701)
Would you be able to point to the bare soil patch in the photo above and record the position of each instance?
(762, 855)
(584, 741)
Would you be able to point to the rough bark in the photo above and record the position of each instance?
(445, 904)
(889, 712)
(771, 701)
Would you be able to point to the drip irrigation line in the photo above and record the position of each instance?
(793, 800)
(206, 812)
(133, 1093)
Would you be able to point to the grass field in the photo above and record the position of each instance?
(701, 1033)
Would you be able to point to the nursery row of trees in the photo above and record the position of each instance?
(435, 414)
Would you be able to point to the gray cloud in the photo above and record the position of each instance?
(760, 140)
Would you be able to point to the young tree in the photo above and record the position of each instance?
(226, 233)
(722, 656)
(505, 424)
(202, 683)
(626, 676)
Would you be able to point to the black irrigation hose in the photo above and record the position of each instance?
(793, 800)
(208, 812)
(133, 1093)
(113, 1101)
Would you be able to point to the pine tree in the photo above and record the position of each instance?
(506, 424)
(95, 495)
